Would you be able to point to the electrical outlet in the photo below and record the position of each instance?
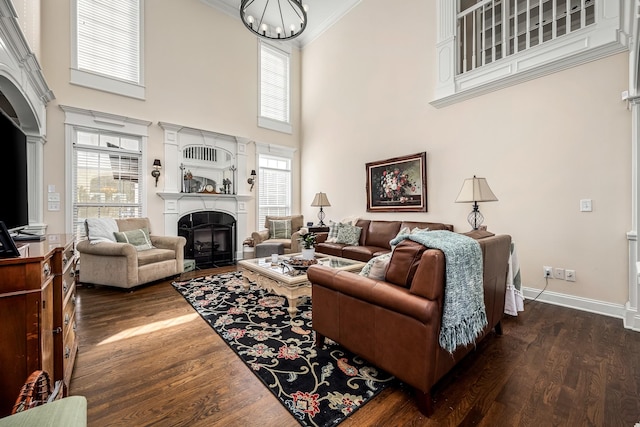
(558, 273)
(570, 275)
(547, 271)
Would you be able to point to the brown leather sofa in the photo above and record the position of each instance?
(374, 238)
(395, 323)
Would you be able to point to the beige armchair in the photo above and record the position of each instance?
(291, 245)
(122, 265)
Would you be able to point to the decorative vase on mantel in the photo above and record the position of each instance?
(308, 253)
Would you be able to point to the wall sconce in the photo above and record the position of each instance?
(252, 180)
(156, 170)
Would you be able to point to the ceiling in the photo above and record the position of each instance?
(321, 14)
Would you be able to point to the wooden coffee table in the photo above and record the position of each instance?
(285, 281)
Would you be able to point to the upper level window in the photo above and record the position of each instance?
(493, 29)
(275, 89)
(107, 54)
(485, 45)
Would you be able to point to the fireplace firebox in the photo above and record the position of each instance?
(211, 238)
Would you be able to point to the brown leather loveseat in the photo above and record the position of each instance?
(395, 323)
(374, 238)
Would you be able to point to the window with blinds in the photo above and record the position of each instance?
(274, 88)
(107, 46)
(106, 177)
(274, 181)
(108, 38)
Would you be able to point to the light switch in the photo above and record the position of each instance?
(585, 205)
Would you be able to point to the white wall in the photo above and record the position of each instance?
(200, 71)
(542, 145)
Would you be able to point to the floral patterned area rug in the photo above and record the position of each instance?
(318, 387)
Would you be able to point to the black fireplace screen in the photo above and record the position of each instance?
(211, 238)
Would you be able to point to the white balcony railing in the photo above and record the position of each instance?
(493, 29)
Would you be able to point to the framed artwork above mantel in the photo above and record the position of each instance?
(398, 184)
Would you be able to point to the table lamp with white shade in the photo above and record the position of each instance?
(320, 200)
(475, 190)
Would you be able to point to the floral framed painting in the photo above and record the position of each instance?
(398, 184)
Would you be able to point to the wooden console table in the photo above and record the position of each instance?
(37, 314)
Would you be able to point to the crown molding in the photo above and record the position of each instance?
(334, 11)
(12, 35)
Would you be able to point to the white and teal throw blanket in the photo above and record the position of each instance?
(464, 315)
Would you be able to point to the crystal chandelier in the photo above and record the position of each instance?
(274, 19)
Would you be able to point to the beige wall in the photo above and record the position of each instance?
(542, 145)
(28, 12)
(200, 71)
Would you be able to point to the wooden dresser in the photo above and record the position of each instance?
(37, 316)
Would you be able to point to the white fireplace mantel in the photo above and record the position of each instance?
(177, 205)
(205, 197)
(230, 162)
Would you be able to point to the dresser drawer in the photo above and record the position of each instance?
(69, 312)
(64, 259)
(70, 348)
(68, 282)
(67, 260)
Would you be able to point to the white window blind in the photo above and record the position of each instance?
(274, 83)
(106, 177)
(274, 182)
(108, 38)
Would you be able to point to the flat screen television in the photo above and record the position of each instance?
(14, 208)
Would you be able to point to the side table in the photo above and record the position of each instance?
(318, 229)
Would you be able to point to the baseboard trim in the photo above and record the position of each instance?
(632, 318)
(584, 304)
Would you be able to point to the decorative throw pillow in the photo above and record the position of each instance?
(417, 230)
(332, 237)
(280, 229)
(138, 238)
(349, 234)
(379, 268)
(351, 220)
(376, 268)
(100, 229)
(403, 230)
(406, 232)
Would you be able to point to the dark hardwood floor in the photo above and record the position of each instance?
(147, 358)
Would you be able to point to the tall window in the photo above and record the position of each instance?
(274, 181)
(106, 176)
(275, 89)
(108, 46)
